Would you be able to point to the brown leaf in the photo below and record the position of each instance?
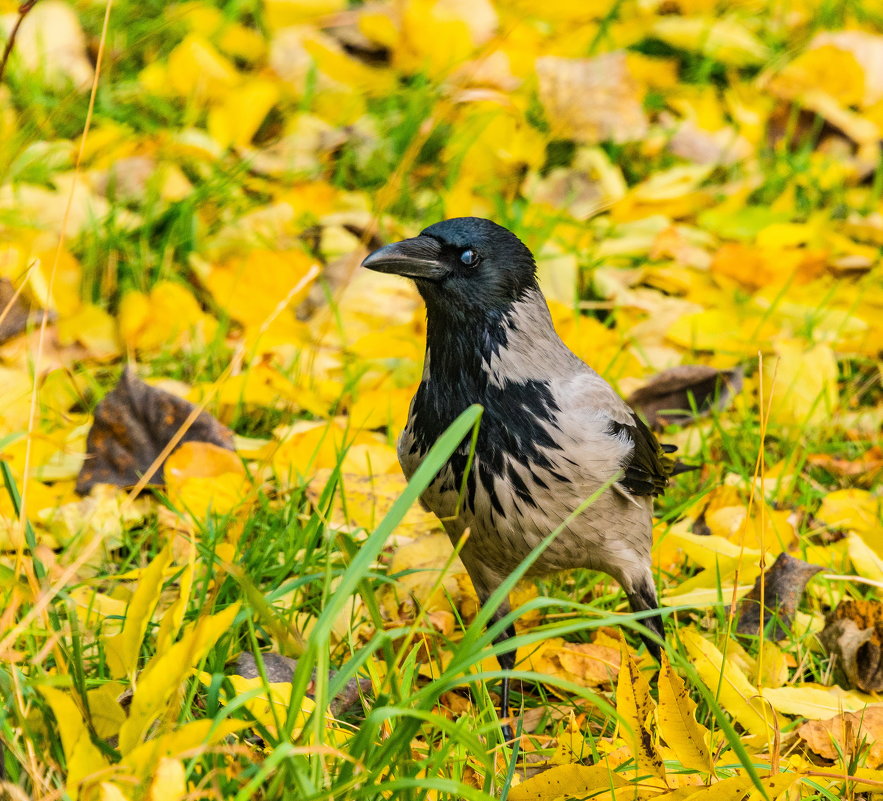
(783, 587)
(671, 396)
(591, 100)
(133, 423)
(854, 634)
(14, 312)
(848, 732)
(866, 468)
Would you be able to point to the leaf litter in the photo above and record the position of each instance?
(700, 191)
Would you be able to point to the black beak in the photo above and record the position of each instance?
(418, 258)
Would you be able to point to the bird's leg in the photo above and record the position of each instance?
(507, 663)
(642, 597)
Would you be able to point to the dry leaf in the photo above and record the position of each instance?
(586, 664)
(51, 44)
(591, 100)
(854, 634)
(783, 586)
(865, 469)
(133, 423)
(848, 735)
(672, 395)
(14, 312)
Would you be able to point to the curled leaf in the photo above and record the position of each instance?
(854, 634)
(133, 423)
(783, 586)
(683, 393)
(846, 735)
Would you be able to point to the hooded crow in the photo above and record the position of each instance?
(553, 432)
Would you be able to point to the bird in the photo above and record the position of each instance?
(552, 431)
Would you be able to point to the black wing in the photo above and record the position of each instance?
(650, 466)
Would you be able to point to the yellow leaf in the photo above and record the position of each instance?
(197, 734)
(571, 747)
(17, 388)
(736, 695)
(166, 317)
(741, 332)
(567, 781)
(333, 61)
(738, 788)
(250, 288)
(121, 650)
(285, 13)
(724, 40)
(815, 701)
(270, 703)
(586, 664)
(204, 478)
(169, 781)
(105, 711)
(677, 722)
(93, 328)
(438, 35)
(853, 509)
(82, 757)
(173, 617)
(364, 498)
(110, 792)
(772, 665)
(235, 121)
(867, 562)
(197, 71)
(421, 562)
(163, 675)
(636, 711)
(800, 384)
(828, 69)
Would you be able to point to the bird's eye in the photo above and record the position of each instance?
(469, 257)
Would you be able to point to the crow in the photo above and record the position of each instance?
(552, 433)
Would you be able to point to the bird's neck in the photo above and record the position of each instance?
(514, 343)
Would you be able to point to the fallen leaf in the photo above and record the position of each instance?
(122, 650)
(591, 100)
(182, 742)
(369, 498)
(866, 469)
(51, 44)
(568, 781)
(852, 509)
(678, 726)
(846, 736)
(723, 39)
(814, 701)
(202, 477)
(854, 634)
(680, 394)
(133, 423)
(158, 683)
(735, 693)
(82, 756)
(800, 384)
(636, 711)
(585, 664)
(169, 782)
(15, 316)
(782, 588)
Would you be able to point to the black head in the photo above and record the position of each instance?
(463, 263)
